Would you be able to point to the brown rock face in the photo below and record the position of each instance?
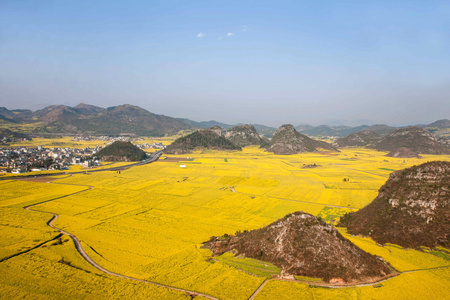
(303, 245)
(414, 138)
(244, 135)
(357, 139)
(412, 209)
(403, 152)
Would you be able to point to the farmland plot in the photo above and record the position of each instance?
(149, 222)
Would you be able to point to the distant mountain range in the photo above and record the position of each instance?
(116, 120)
(130, 119)
(89, 119)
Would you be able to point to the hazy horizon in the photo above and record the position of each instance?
(260, 62)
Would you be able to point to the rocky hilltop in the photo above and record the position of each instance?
(288, 141)
(441, 124)
(381, 129)
(342, 131)
(206, 138)
(244, 135)
(121, 151)
(414, 138)
(301, 244)
(412, 209)
(403, 152)
(361, 138)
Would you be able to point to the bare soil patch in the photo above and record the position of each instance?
(38, 179)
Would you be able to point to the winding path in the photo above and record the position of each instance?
(80, 249)
(191, 293)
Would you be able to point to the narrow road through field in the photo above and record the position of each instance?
(80, 249)
(258, 289)
(153, 157)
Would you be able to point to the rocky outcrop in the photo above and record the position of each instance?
(217, 129)
(412, 209)
(414, 138)
(403, 152)
(361, 138)
(301, 244)
(244, 135)
(288, 141)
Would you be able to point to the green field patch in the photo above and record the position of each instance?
(439, 252)
(304, 278)
(386, 169)
(331, 214)
(249, 265)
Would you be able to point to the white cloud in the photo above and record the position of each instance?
(244, 28)
(230, 34)
(200, 35)
(220, 38)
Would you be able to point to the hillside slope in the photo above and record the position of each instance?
(414, 138)
(244, 135)
(357, 139)
(288, 141)
(206, 138)
(121, 151)
(303, 245)
(412, 209)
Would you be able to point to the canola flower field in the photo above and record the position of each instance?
(149, 222)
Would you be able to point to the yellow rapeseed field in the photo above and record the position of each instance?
(149, 222)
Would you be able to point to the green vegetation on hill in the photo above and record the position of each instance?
(11, 134)
(288, 141)
(200, 139)
(121, 151)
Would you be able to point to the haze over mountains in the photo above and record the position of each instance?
(130, 119)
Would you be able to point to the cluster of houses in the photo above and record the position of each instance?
(151, 146)
(101, 138)
(110, 139)
(23, 159)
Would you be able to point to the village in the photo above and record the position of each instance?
(25, 159)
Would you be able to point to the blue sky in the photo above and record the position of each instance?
(270, 62)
